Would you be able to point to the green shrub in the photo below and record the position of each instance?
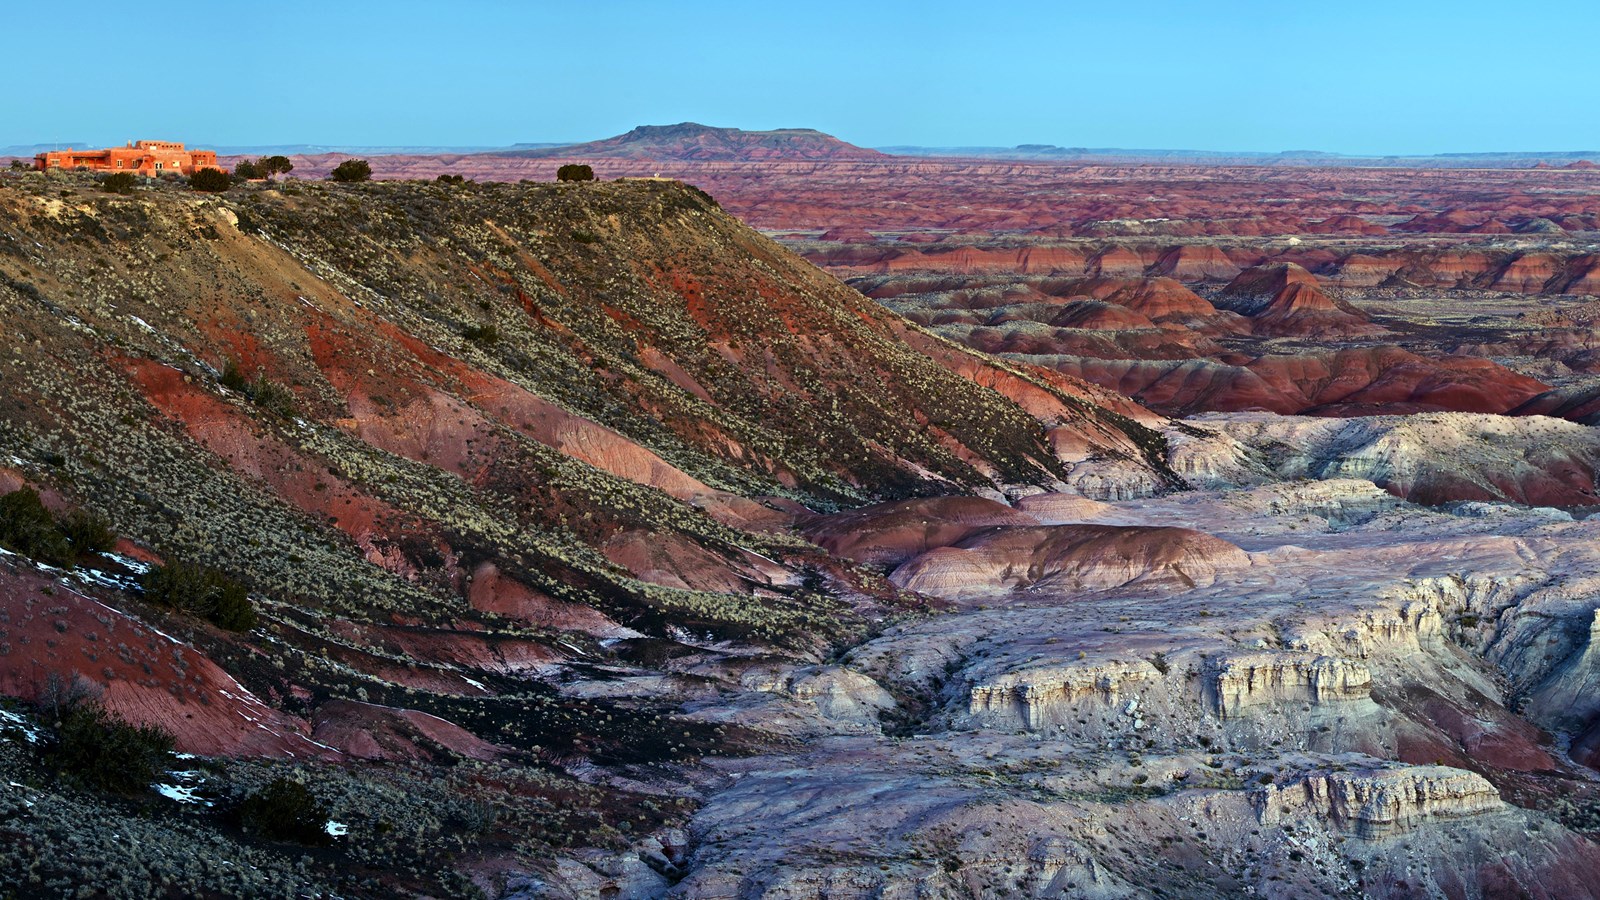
(261, 391)
(450, 179)
(274, 165)
(247, 170)
(201, 591)
(271, 396)
(352, 170)
(575, 172)
(28, 528)
(212, 181)
(99, 750)
(285, 810)
(119, 183)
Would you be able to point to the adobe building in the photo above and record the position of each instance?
(139, 157)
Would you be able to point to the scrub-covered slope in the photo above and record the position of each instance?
(476, 452)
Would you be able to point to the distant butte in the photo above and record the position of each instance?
(692, 141)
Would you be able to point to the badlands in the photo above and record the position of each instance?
(1287, 682)
(867, 527)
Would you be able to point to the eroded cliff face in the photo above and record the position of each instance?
(1380, 803)
(1431, 458)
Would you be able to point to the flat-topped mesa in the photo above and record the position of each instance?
(692, 141)
(1237, 682)
(1376, 804)
(1037, 698)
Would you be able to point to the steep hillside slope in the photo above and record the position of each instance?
(476, 451)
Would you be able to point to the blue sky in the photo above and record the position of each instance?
(1361, 77)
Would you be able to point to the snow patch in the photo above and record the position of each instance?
(185, 787)
(181, 793)
(9, 719)
(138, 567)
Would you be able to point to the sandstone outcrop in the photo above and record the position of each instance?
(1237, 681)
(588, 492)
(837, 694)
(1037, 698)
(1377, 804)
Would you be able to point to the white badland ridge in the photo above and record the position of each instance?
(1289, 700)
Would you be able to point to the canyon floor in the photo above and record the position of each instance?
(1070, 532)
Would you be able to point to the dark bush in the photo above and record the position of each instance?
(119, 183)
(87, 532)
(575, 172)
(28, 528)
(99, 750)
(352, 170)
(248, 170)
(482, 335)
(18, 165)
(285, 810)
(201, 591)
(450, 179)
(233, 377)
(211, 181)
(704, 197)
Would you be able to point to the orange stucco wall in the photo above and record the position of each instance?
(141, 158)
